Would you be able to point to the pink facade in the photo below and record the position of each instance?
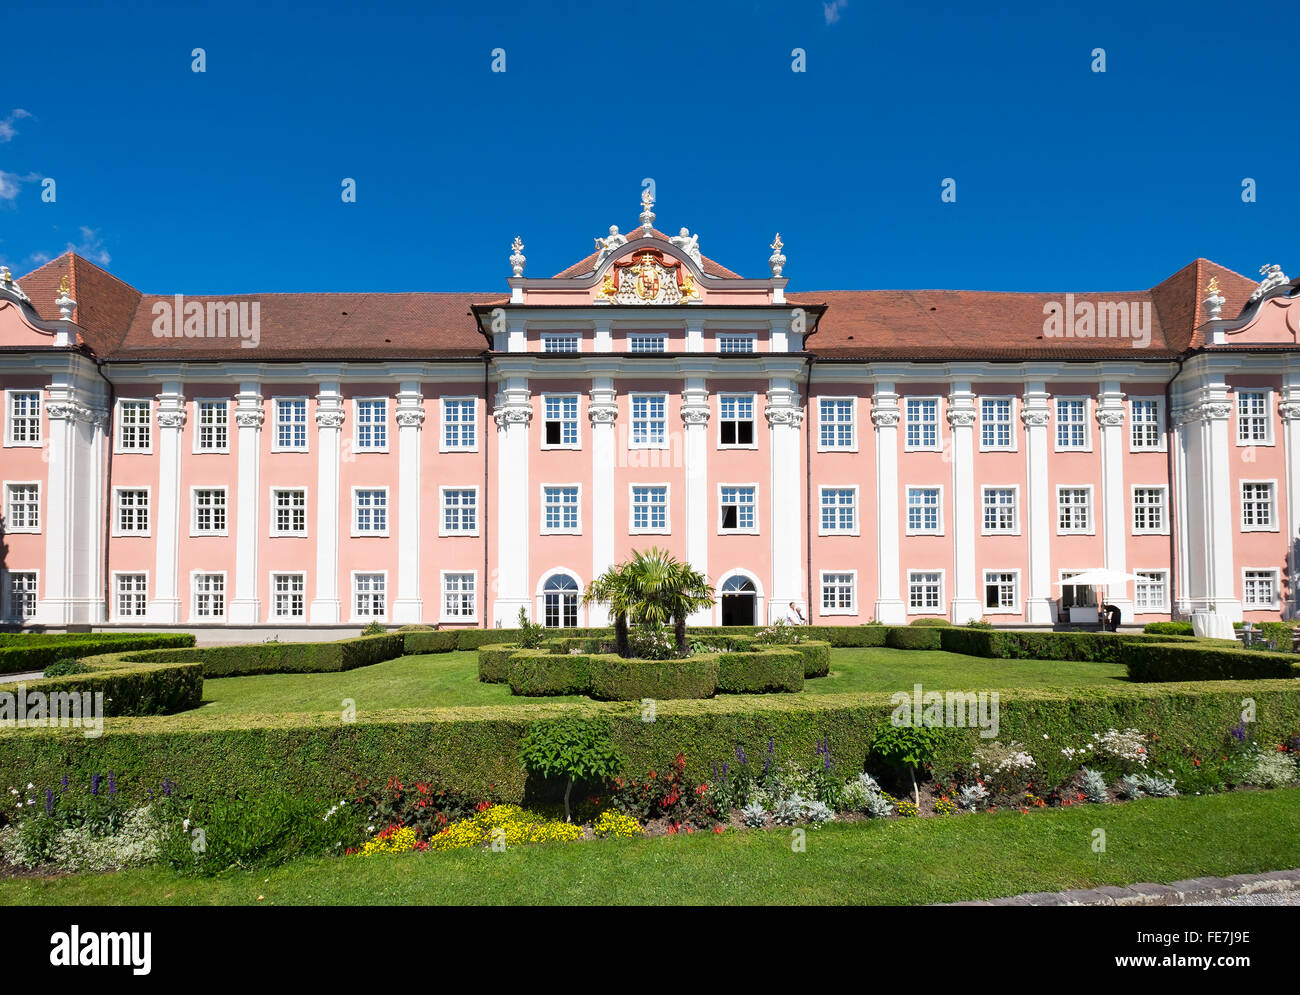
(456, 458)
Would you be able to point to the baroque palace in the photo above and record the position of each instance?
(449, 458)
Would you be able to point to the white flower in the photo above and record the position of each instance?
(30, 785)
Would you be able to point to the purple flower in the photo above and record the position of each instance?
(1239, 732)
(715, 770)
(65, 782)
(740, 755)
(94, 784)
(49, 801)
(112, 783)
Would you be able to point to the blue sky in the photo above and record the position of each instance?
(229, 180)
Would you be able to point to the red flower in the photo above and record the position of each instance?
(717, 830)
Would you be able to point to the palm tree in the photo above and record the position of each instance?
(653, 588)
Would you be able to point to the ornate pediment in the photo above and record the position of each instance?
(648, 276)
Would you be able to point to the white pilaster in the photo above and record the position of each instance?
(1211, 509)
(966, 604)
(885, 417)
(408, 606)
(245, 606)
(779, 338)
(784, 418)
(325, 607)
(1289, 408)
(513, 413)
(602, 413)
(602, 337)
(1040, 603)
(165, 606)
(1114, 518)
(695, 456)
(694, 334)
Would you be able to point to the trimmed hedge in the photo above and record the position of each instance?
(430, 641)
(1153, 662)
(471, 748)
(931, 623)
(778, 669)
(905, 637)
(494, 662)
(299, 658)
(1102, 647)
(616, 679)
(147, 688)
(816, 657)
(36, 651)
(534, 673)
(1169, 629)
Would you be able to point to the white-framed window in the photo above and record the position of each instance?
(22, 506)
(22, 418)
(212, 425)
(649, 421)
(1258, 506)
(560, 342)
(925, 510)
(131, 594)
(290, 424)
(1151, 591)
(1260, 589)
(1002, 591)
(561, 508)
(1072, 432)
(835, 424)
(839, 592)
(288, 595)
(458, 429)
(459, 511)
(209, 594)
(459, 600)
(20, 594)
(997, 424)
(1074, 510)
(131, 511)
(560, 595)
(1254, 422)
(738, 508)
(370, 511)
(1001, 510)
(647, 342)
(925, 592)
(134, 434)
(371, 434)
(649, 509)
(1076, 595)
(1147, 424)
(733, 342)
(370, 596)
(736, 421)
(839, 511)
(1149, 510)
(288, 511)
(921, 416)
(208, 506)
(560, 421)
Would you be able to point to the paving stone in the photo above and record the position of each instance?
(1086, 896)
(1155, 894)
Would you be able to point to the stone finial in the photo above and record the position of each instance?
(517, 257)
(1214, 299)
(647, 209)
(776, 260)
(64, 302)
(1272, 277)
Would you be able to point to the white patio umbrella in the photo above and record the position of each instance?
(1101, 577)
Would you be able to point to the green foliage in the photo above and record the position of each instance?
(934, 623)
(143, 689)
(425, 640)
(68, 665)
(291, 658)
(652, 589)
(614, 678)
(530, 634)
(1169, 629)
(775, 669)
(494, 662)
(902, 637)
(374, 629)
(534, 672)
(1181, 662)
(575, 749)
(20, 652)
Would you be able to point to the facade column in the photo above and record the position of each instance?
(885, 416)
(966, 604)
(695, 457)
(245, 606)
(694, 334)
(784, 418)
(1110, 420)
(165, 607)
(513, 414)
(1040, 605)
(325, 607)
(602, 413)
(1289, 409)
(1211, 510)
(408, 607)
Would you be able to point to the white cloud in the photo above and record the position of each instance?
(832, 10)
(11, 182)
(91, 247)
(7, 129)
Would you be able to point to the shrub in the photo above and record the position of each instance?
(1183, 662)
(577, 750)
(298, 658)
(494, 662)
(911, 747)
(530, 634)
(777, 669)
(816, 657)
(1169, 629)
(754, 815)
(931, 623)
(426, 640)
(1092, 784)
(427, 806)
(144, 689)
(1272, 770)
(374, 629)
(972, 796)
(1003, 768)
(902, 637)
(616, 679)
(68, 665)
(863, 794)
(38, 651)
(535, 673)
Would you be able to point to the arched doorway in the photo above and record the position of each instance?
(560, 602)
(739, 600)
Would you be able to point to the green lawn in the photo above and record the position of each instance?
(891, 862)
(451, 679)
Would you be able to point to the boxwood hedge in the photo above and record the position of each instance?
(535, 672)
(615, 679)
(777, 668)
(1180, 662)
(130, 686)
(21, 652)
